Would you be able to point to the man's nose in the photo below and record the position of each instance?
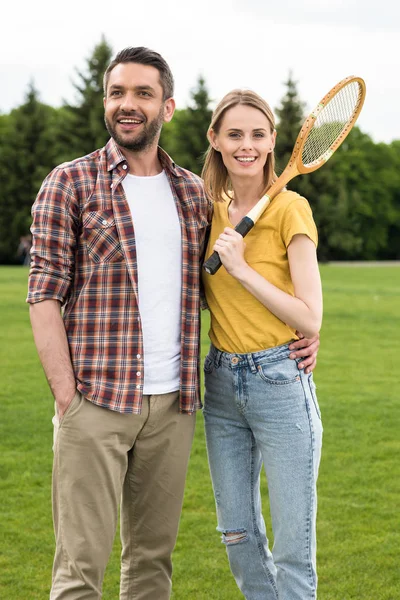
(129, 102)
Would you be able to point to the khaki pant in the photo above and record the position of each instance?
(101, 456)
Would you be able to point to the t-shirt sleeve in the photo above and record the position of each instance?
(298, 218)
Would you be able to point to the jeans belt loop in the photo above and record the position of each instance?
(251, 363)
(218, 357)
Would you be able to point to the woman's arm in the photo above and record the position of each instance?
(304, 310)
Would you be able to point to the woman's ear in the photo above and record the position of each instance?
(273, 139)
(212, 138)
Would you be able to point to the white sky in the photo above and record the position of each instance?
(232, 43)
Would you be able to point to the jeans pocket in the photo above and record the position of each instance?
(313, 393)
(280, 372)
(208, 365)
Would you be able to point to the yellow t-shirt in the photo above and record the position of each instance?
(239, 322)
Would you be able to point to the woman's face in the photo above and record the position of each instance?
(244, 140)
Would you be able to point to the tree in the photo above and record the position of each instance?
(26, 156)
(185, 138)
(290, 119)
(353, 204)
(290, 115)
(82, 127)
(366, 175)
(355, 197)
(391, 175)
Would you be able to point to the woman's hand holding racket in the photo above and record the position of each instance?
(230, 248)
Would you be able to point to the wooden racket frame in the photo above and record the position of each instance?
(295, 165)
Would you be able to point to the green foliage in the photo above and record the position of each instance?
(359, 482)
(290, 115)
(82, 124)
(355, 197)
(185, 138)
(390, 174)
(35, 137)
(26, 156)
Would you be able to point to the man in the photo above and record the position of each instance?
(117, 241)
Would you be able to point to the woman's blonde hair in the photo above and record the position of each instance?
(215, 175)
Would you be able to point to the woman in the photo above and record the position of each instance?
(259, 407)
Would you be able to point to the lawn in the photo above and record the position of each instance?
(359, 485)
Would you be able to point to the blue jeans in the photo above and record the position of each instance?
(260, 408)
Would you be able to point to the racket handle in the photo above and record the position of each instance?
(244, 226)
(213, 262)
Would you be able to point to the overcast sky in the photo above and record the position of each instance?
(232, 43)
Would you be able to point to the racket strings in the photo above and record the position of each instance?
(330, 123)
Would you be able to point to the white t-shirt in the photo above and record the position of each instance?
(159, 261)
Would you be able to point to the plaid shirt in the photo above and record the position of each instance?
(84, 255)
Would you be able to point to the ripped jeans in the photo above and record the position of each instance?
(260, 408)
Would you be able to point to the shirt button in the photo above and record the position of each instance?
(138, 356)
(124, 167)
(111, 185)
(104, 222)
(138, 373)
(138, 386)
(111, 166)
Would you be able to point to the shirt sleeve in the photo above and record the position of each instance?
(54, 230)
(210, 210)
(298, 218)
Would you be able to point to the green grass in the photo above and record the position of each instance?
(359, 485)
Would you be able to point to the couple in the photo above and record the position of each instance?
(118, 238)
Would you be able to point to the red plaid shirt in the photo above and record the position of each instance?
(84, 255)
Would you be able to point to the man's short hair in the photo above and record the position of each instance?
(143, 56)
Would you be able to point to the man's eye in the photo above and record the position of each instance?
(115, 93)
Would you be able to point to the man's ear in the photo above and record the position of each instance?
(169, 109)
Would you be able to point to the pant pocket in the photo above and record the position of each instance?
(56, 425)
(313, 393)
(208, 365)
(56, 420)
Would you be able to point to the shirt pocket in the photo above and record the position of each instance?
(197, 230)
(101, 237)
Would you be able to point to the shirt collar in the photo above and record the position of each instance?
(113, 154)
(167, 162)
(115, 158)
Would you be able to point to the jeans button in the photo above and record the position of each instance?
(235, 360)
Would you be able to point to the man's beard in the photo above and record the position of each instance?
(145, 139)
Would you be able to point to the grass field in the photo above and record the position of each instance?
(359, 485)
